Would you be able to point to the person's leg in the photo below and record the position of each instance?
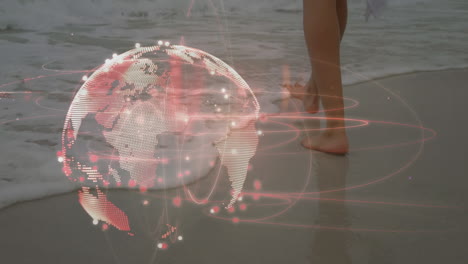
(342, 13)
(323, 32)
(311, 103)
(310, 89)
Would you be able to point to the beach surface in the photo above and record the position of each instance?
(44, 61)
(398, 197)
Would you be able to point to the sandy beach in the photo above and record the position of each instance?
(398, 197)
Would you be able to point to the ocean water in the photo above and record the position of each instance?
(261, 39)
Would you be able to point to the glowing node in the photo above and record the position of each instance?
(167, 44)
(93, 158)
(226, 96)
(84, 78)
(60, 159)
(145, 202)
(187, 158)
(131, 183)
(242, 207)
(114, 55)
(257, 185)
(180, 238)
(160, 42)
(214, 210)
(177, 201)
(233, 123)
(259, 132)
(240, 198)
(223, 90)
(212, 72)
(218, 109)
(95, 222)
(137, 45)
(162, 245)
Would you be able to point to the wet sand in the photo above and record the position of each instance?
(398, 197)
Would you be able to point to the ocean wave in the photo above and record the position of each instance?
(57, 12)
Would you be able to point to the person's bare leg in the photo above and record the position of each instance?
(311, 103)
(309, 92)
(322, 32)
(342, 13)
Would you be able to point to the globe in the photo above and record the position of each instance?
(158, 117)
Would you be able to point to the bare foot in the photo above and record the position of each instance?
(330, 141)
(296, 91)
(308, 94)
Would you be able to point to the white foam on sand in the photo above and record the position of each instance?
(29, 170)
